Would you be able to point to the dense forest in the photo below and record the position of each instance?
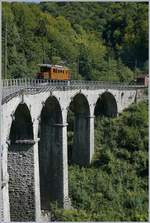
(115, 186)
(97, 41)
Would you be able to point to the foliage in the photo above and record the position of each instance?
(98, 41)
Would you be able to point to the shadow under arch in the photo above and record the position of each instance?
(50, 153)
(21, 166)
(21, 128)
(106, 105)
(78, 119)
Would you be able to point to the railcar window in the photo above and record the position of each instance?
(44, 69)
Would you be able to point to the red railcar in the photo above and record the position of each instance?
(142, 80)
(53, 72)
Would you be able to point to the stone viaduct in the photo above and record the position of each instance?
(34, 138)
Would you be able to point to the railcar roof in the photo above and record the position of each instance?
(45, 65)
(50, 65)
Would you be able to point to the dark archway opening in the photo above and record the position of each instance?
(50, 153)
(21, 166)
(78, 130)
(70, 134)
(105, 110)
(106, 106)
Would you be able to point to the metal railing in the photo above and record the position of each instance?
(13, 87)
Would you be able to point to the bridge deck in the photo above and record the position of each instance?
(13, 87)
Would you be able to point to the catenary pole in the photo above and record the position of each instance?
(5, 51)
(1, 214)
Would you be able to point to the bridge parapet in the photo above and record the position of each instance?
(14, 87)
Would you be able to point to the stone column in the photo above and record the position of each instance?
(36, 173)
(1, 209)
(53, 164)
(91, 137)
(5, 184)
(83, 147)
(63, 166)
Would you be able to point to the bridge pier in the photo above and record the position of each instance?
(53, 161)
(36, 182)
(91, 137)
(64, 162)
(21, 166)
(21, 183)
(4, 185)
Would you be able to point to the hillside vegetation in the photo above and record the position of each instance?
(97, 41)
(115, 186)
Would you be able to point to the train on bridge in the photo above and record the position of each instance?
(141, 80)
(53, 72)
(62, 73)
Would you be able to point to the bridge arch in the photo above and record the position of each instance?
(21, 166)
(79, 126)
(50, 150)
(106, 105)
(21, 127)
(80, 102)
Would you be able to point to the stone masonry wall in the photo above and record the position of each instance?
(21, 183)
